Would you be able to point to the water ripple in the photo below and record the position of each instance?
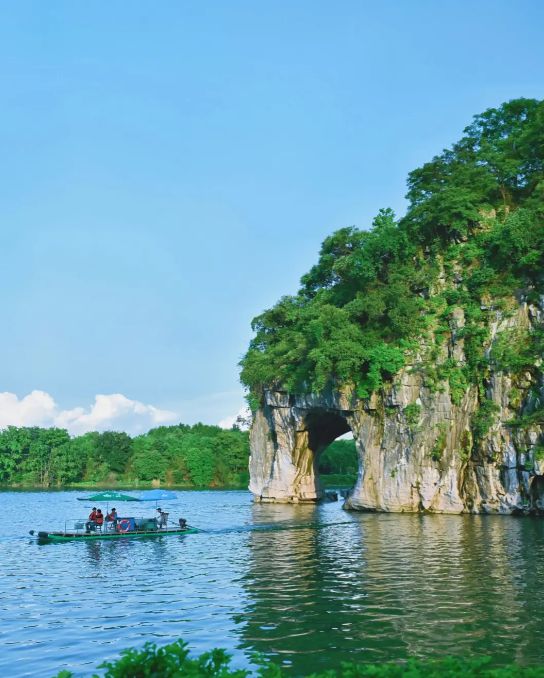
(310, 586)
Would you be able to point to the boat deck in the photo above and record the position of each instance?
(91, 536)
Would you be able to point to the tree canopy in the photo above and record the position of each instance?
(373, 294)
(192, 456)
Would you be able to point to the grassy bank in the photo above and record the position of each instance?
(330, 480)
(129, 485)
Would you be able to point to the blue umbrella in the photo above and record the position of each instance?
(157, 495)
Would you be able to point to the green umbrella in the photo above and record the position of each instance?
(108, 496)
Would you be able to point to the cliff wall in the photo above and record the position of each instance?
(422, 444)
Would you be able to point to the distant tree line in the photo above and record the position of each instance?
(196, 456)
(192, 456)
(340, 457)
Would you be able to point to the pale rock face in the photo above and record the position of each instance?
(430, 465)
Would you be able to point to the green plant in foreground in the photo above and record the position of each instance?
(173, 661)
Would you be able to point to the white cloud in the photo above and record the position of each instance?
(35, 409)
(108, 412)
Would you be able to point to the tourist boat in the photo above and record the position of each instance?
(123, 527)
(137, 533)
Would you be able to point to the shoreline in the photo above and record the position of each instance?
(335, 480)
(128, 488)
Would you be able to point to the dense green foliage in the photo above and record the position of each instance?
(197, 456)
(472, 238)
(340, 457)
(173, 661)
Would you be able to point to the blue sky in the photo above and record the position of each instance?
(170, 169)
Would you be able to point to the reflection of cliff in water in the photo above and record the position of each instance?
(307, 589)
(383, 587)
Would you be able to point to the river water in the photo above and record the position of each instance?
(309, 586)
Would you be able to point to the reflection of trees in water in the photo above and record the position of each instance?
(307, 589)
(523, 543)
(462, 583)
(391, 586)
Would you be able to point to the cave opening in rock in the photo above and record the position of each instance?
(336, 461)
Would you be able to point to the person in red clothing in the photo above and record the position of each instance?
(99, 520)
(91, 523)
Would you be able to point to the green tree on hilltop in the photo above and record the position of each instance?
(372, 295)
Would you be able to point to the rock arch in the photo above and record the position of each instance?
(401, 467)
(414, 439)
(288, 435)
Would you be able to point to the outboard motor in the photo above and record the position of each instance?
(182, 523)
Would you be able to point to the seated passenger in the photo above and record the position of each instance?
(99, 520)
(91, 523)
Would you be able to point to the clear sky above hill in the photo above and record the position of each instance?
(170, 169)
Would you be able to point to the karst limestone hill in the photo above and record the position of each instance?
(424, 336)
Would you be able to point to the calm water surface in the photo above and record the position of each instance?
(309, 586)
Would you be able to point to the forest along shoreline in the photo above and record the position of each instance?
(181, 456)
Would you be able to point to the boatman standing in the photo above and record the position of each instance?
(111, 517)
(162, 518)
